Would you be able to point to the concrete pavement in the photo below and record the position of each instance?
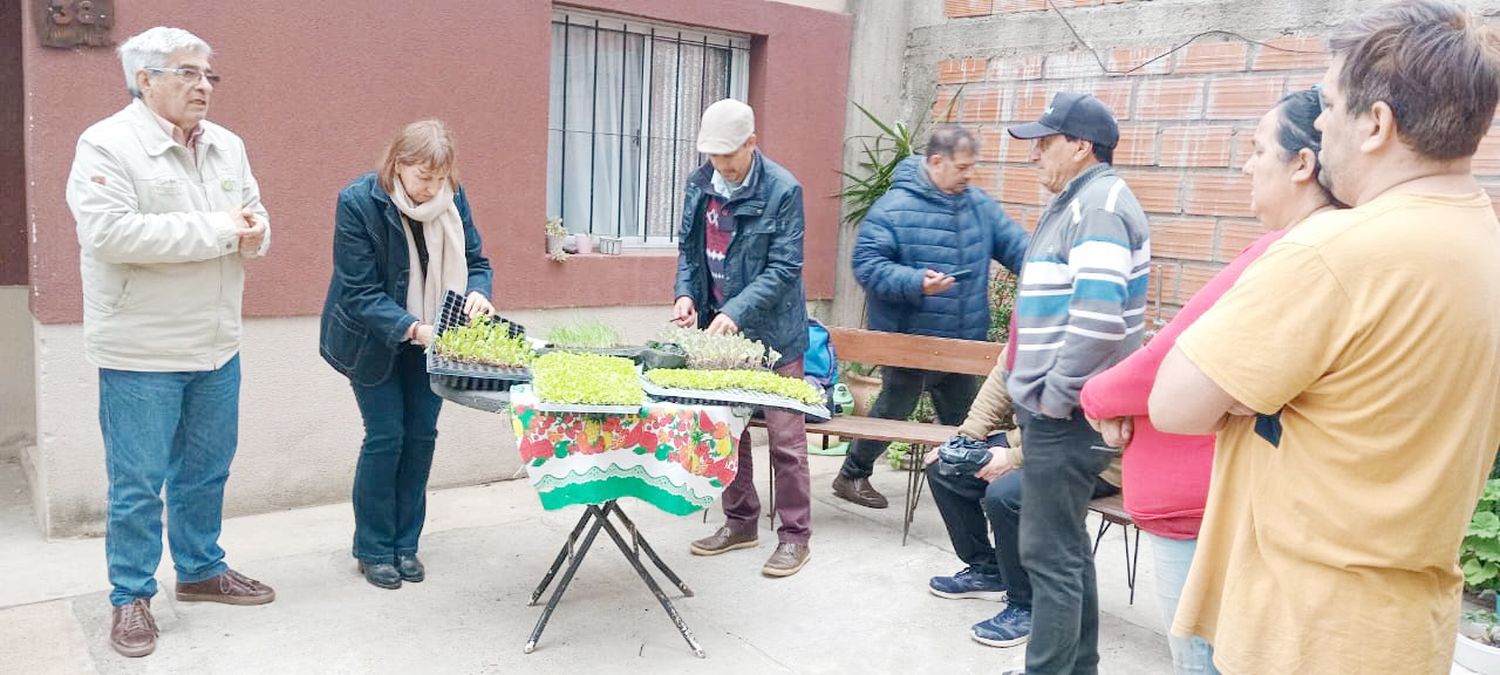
(860, 605)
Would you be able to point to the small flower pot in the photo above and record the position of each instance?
(585, 243)
(608, 245)
(556, 244)
(864, 389)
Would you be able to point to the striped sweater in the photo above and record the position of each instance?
(1081, 303)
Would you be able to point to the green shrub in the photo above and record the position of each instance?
(1002, 301)
(1480, 554)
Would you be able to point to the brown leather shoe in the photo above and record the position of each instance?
(787, 560)
(230, 588)
(859, 491)
(132, 629)
(723, 541)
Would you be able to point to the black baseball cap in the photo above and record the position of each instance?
(1073, 114)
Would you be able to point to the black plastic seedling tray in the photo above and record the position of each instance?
(470, 376)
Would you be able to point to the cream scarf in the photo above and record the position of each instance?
(447, 264)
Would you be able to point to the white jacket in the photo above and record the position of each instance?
(162, 271)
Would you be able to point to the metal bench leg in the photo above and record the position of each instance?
(1131, 562)
(771, 495)
(914, 482)
(1103, 527)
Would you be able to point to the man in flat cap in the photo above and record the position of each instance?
(739, 270)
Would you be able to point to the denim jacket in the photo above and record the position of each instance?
(364, 317)
(763, 267)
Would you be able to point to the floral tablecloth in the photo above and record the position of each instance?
(678, 458)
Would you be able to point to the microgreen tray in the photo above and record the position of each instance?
(730, 397)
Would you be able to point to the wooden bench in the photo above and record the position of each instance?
(967, 357)
(897, 350)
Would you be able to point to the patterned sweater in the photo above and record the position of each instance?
(1081, 303)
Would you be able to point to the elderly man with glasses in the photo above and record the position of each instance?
(168, 213)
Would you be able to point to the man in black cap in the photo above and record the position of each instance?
(1079, 309)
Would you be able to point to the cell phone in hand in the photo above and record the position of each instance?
(960, 274)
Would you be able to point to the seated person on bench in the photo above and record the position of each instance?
(966, 499)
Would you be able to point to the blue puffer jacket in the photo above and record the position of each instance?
(915, 227)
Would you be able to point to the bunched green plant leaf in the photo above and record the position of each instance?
(485, 341)
(586, 379)
(718, 352)
(587, 335)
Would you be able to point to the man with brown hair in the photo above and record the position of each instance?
(1353, 374)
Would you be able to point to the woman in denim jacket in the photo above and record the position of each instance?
(403, 238)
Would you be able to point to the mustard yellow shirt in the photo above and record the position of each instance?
(1375, 332)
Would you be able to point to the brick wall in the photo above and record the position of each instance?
(1185, 127)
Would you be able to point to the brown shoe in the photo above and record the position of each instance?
(787, 560)
(859, 491)
(723, 541)
(230, 588)
(132, 629)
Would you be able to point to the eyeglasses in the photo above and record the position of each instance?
(189, 75)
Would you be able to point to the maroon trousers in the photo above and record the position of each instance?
(788, 432)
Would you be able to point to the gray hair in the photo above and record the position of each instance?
(153, 48)
(948, 139)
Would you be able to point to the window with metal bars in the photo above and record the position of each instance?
(626, 97)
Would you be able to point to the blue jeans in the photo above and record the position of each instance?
(1192, 655)
(173, 429)
(390, 481)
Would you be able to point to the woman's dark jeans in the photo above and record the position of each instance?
(390, 482)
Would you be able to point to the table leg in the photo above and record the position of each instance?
(661, 597)
(564, 554)
(645, 546)
(567, 578)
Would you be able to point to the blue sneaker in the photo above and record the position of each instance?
(968, 584)
(1009, 628)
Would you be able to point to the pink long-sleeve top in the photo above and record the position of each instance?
(1165, 475)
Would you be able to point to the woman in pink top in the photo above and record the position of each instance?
(1166, 475)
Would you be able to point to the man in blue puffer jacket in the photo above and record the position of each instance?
(923, 256)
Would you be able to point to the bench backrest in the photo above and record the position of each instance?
(878, 348)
